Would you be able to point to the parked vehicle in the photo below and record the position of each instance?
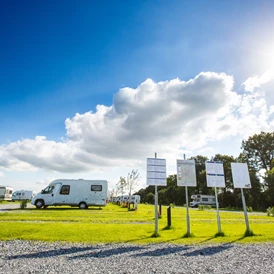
(135, 199)
(81, 193)
(6, 193)
(23, 194)
(200, 199)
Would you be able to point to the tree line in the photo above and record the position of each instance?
(257, 152)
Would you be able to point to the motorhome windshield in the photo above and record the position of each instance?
(48, 190)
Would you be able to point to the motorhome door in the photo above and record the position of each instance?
(97, 196)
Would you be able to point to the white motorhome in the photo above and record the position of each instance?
(200, 199)
(135, 199)
(6, 193)
(23, 194)
(81, 193)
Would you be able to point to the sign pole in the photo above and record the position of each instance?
(245, 211)
(187, 210)
(156, 206)
(217, 210)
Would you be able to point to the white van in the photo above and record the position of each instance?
(135, 199)
(23, 194)
(81, 193)
(200, 199)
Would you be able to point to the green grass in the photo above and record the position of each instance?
(114, 224)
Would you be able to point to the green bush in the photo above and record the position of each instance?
(249, 209)
(204, 207)
(270, 211)
(23, 204)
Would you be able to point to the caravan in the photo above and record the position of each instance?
(81, 193)
(200, 199)
(6, 193)
(20, 195)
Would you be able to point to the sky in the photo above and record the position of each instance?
(91, 89)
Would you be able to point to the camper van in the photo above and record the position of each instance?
(81, 193)
(23, 194)
(200, 199)
(6, 193)
(134, 199)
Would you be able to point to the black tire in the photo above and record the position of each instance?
(83, 205)
(39, 203)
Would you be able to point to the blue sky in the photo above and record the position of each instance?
(60, 58)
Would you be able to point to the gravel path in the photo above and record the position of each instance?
(36, 257)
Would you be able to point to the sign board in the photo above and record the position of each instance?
(215, 174)
(186, 173)
(240, 175)
(156, 172)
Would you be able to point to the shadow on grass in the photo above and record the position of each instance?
(188, 235)
(167, 228)
(60, 209)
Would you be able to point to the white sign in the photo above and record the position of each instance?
(215, 174)
(240, 175)
(156, 172)
(186, 173)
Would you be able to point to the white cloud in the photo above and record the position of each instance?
(256, 82)
(169, 117)
(1, 174)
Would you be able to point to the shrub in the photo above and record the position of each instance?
(270, 211)
(23, 204)
(249, 209)
(204, 207)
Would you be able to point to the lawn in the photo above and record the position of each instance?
(114, 224)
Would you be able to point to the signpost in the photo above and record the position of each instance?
(241, 180)
(215, 178)
(156, 175)
(186, 176)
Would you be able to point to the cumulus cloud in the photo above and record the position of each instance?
(169, 117)
(1, 174)
(257, 81)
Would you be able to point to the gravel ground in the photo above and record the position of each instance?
(36, 257)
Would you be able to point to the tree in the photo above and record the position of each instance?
(200, 176)
(132, 181)
(259, 151)
(121, 185)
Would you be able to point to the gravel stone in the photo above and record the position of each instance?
(37, 257)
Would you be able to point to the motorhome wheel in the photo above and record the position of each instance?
(39, 203)
(82, 205)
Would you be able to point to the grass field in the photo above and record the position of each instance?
(114, 224)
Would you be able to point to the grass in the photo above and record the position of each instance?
(114, 224)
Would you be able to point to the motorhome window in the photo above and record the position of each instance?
(96, 188)
(205, 199)
(65, 190)
(48, 190)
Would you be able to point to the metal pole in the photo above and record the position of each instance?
(245, 211)
(156, 206)
(187, 214)
(187, 210)
(217, 210)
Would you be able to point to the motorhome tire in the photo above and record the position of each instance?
(39, 203)
(82, 205)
